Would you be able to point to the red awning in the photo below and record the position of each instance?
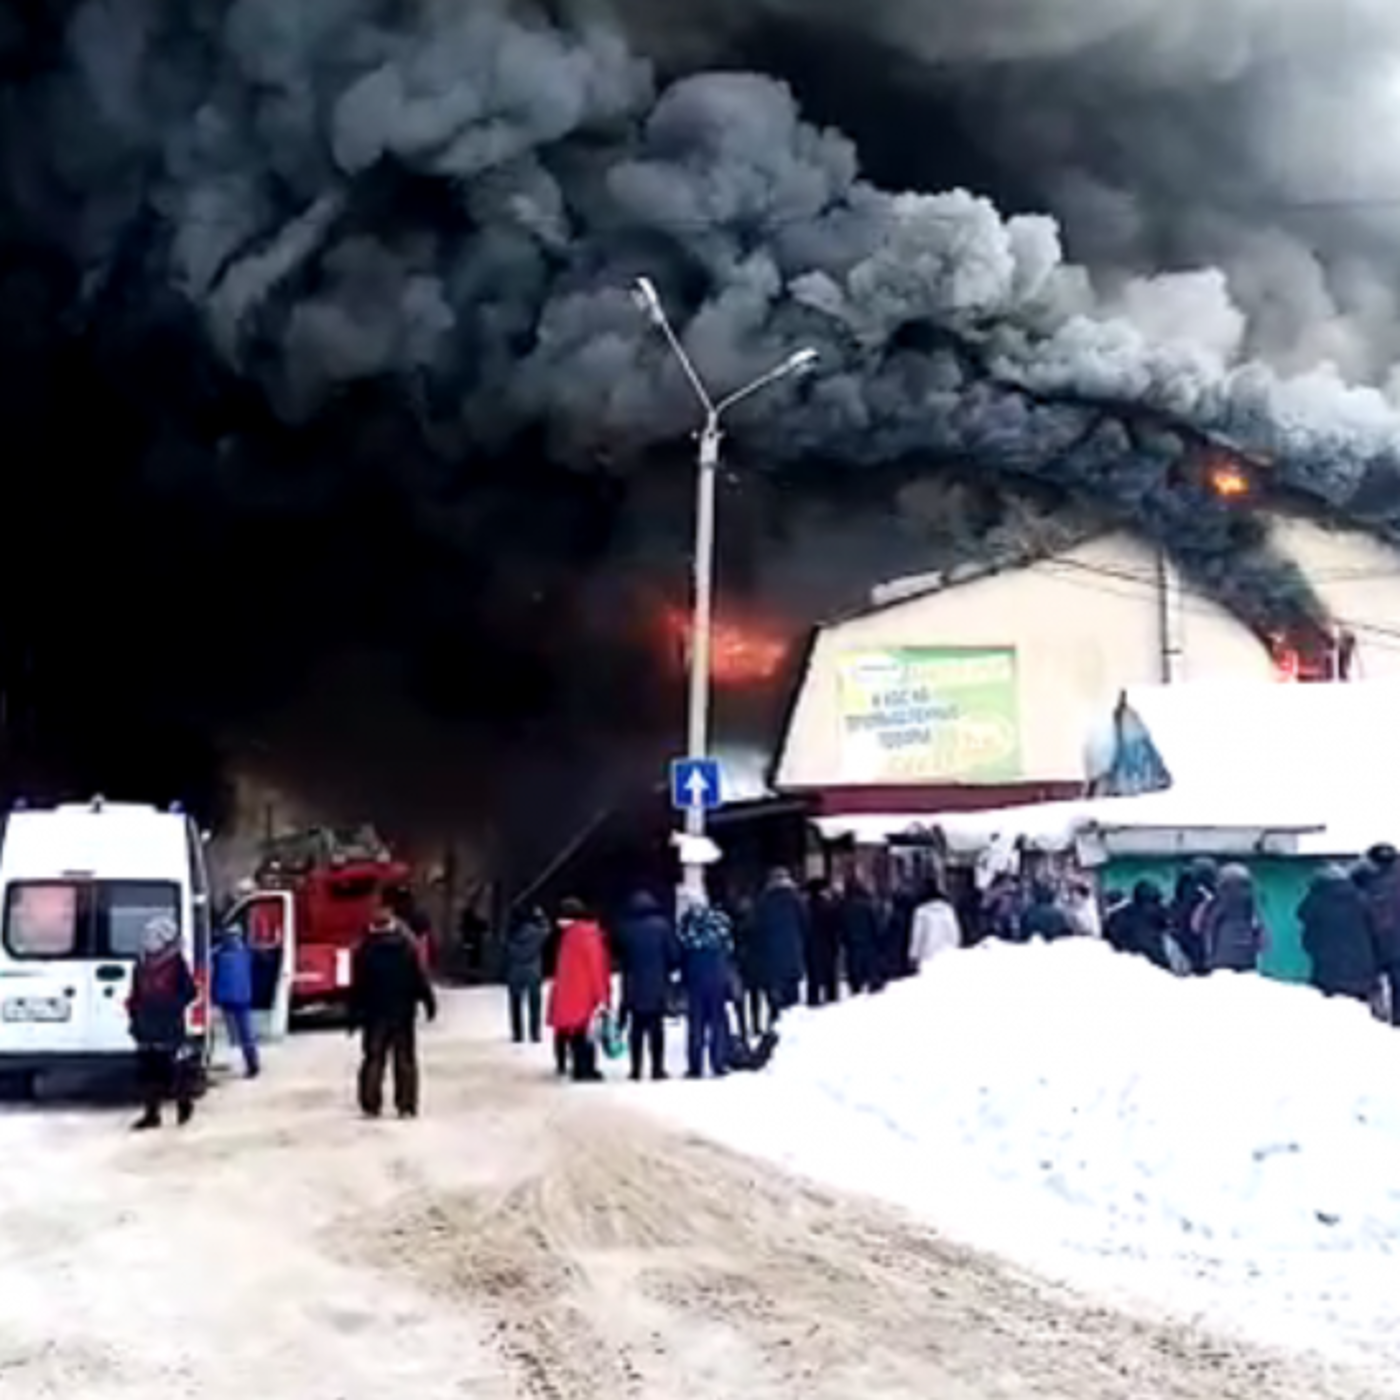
(946, 797)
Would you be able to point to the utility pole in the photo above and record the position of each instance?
(1168, 620)
(707, 468)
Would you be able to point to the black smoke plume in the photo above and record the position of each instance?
(321, 376)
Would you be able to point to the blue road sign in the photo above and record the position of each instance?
(695, 783)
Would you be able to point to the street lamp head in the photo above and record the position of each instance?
(800, 361)
(644, 293)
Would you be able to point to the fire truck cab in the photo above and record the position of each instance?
(316, 892)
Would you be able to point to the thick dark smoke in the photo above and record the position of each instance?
(317, 342)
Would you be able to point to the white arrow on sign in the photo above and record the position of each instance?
(696, 788)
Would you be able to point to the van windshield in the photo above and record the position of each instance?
(84, 918)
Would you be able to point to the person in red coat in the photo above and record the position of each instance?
(582, 988)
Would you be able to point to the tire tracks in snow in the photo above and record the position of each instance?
(637, 1263)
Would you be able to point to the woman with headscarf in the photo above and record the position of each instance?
(1232, 933)
(162, 991)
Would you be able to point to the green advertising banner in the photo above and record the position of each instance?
(930, 715)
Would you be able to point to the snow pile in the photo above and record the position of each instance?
(1227, 1147)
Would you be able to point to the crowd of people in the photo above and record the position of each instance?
(731, 971)
(389, 984)
(738, 969)
(735, 971)
(1350, 922)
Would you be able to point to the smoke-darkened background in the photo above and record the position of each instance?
(333, 442)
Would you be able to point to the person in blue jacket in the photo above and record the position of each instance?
(232, 993)
(707, 945)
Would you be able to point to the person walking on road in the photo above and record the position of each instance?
(162, 991)
(524, 969)
(780, 937)
(649, 954)
(232, 992)
(388, 983)
(582, 988)
(707, 946)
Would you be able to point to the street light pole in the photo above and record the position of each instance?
(701, 634)
(707, 469)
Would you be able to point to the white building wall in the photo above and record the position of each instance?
(1084, 626)
(1358, 581)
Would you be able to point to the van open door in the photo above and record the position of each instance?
(267, 921)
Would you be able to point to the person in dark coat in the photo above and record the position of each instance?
(739, 912)
(1194, 890)
(745, 965)
(706, 948)
(162, 991)
(1044, 917)
(415, 920)
(1339, 937)
(1002, 909)
(780, 935)
(860, 937)
(1232, 933)
(232, 993)
(388, 983)
(1382, 888)
(649, 954)
(524, 972)
(823, 945)
(473, 932)
(1140, 925)
(896, 943)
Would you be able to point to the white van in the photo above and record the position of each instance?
(78, 884)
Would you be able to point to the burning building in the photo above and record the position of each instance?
(318, 317)
(975, 688)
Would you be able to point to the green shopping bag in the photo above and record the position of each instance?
(607, 1036)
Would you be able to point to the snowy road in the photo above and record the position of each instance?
(523, 1241)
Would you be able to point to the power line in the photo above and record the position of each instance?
(1204, 605)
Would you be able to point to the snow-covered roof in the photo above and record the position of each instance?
(1318, 765)
(1314, 754)
(744, 775)
(1056, 825)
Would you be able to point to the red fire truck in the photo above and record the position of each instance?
(316, 892)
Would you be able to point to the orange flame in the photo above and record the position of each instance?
(1288, 664)
(1228, 481)
(741, 653)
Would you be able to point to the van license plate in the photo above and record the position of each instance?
(37, 1009)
